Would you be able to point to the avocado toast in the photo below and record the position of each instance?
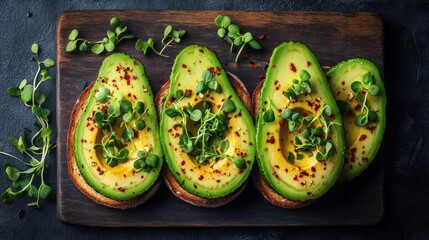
(300, 138)
(206, 130)
(361, 97)
(114, 151)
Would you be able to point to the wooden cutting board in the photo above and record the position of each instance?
(332, 37)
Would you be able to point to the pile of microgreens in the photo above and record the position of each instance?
(209, 144)
(113, 148)
(108, 43)
(311, 137)
(170, 35)
(362, 91)
(231, 33)
(39, 146)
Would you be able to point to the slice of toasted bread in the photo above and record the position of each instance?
(171, 182)
(258, 179)
(76, 175)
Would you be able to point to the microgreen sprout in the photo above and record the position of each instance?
(268, 114)
(112, 146)
(108, 43)
(170, 35)
(38, 147)
(209, 143)
(231, 33)
(207, 83)
(299, 86)
(362, 90)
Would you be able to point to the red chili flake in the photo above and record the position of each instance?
(362, 137)
(262, 36)
(251, 144)
(292, 67)
(282, 123)
(343, 83)
(237, 133)
(276, 166)
(313, 169)
(272, 140)
(276, 81)
(211, 69)
(308, 63)
(160, 80)
(365, 159)
(134, 96)
(262, 76)
(91, 129)
(100, 172)
(363, 93)
(295, 178)
(201, 177)
(308, 193)
(253, 65)
(121, 189)
(184, 65)
(277, 88)
(286, 170)
(353, 150)
(302, 183)
(218, 106)
(136, 63)
(316, 107)
(201, 50)
(303, 173)
(218, 181)
(129, 95)
(183, 162)
(371, 128)
(176, 135)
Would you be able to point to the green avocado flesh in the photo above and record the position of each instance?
(220, 176)
(298, 174)
(362, 142)
(120, 74)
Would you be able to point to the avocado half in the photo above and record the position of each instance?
(362, 142)
(120, 186)
(212, 182)
(293, 174)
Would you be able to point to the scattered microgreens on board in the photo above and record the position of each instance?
(231, 33)
(38, 147)
(209, 144)
(362, 90)
(113, 147)
(108, 43)
(170, 35)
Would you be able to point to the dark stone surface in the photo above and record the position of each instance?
(406, 139)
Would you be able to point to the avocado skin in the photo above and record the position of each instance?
(172, 163)
(286, 190)
(141, 188)
(377, 137)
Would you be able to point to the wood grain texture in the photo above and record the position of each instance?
(332, 37)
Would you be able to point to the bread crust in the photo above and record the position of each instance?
(258, 179)
(76, 175)
(169, 179)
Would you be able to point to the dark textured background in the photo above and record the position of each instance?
(406, 139)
